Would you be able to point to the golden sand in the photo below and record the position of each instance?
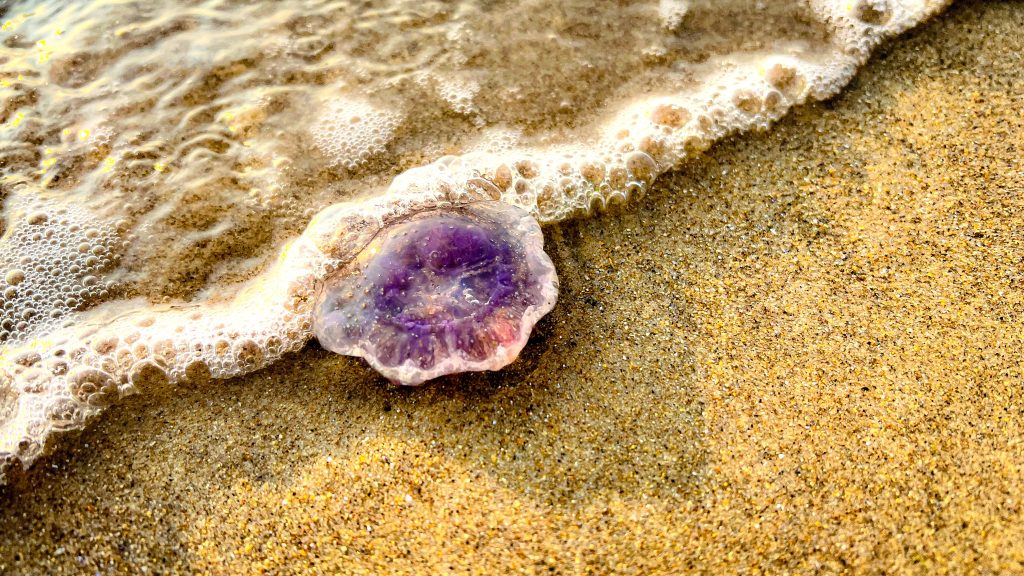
(799, 354)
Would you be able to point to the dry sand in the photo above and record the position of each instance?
(799, 354)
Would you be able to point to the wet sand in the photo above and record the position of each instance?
(801, 353)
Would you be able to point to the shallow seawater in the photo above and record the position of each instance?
(168, 167)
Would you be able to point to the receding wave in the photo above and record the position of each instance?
(177, 178)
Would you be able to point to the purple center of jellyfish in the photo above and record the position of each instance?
(439, 276)
(436, 294)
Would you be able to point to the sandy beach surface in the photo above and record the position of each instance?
(801, 353)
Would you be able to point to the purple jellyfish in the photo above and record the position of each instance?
(444, 291)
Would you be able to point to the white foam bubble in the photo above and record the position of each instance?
(53, 266)
(459, 93)
(350, 130)
(672, 12)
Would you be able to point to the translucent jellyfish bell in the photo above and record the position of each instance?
(444, 291)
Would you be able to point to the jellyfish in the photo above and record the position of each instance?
(439, 292)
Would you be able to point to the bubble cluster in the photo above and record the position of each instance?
(459, 93)
(59, 382)
(53, 266)
(859, 25)
(351, 130)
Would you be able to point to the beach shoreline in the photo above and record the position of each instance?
(798, 353)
